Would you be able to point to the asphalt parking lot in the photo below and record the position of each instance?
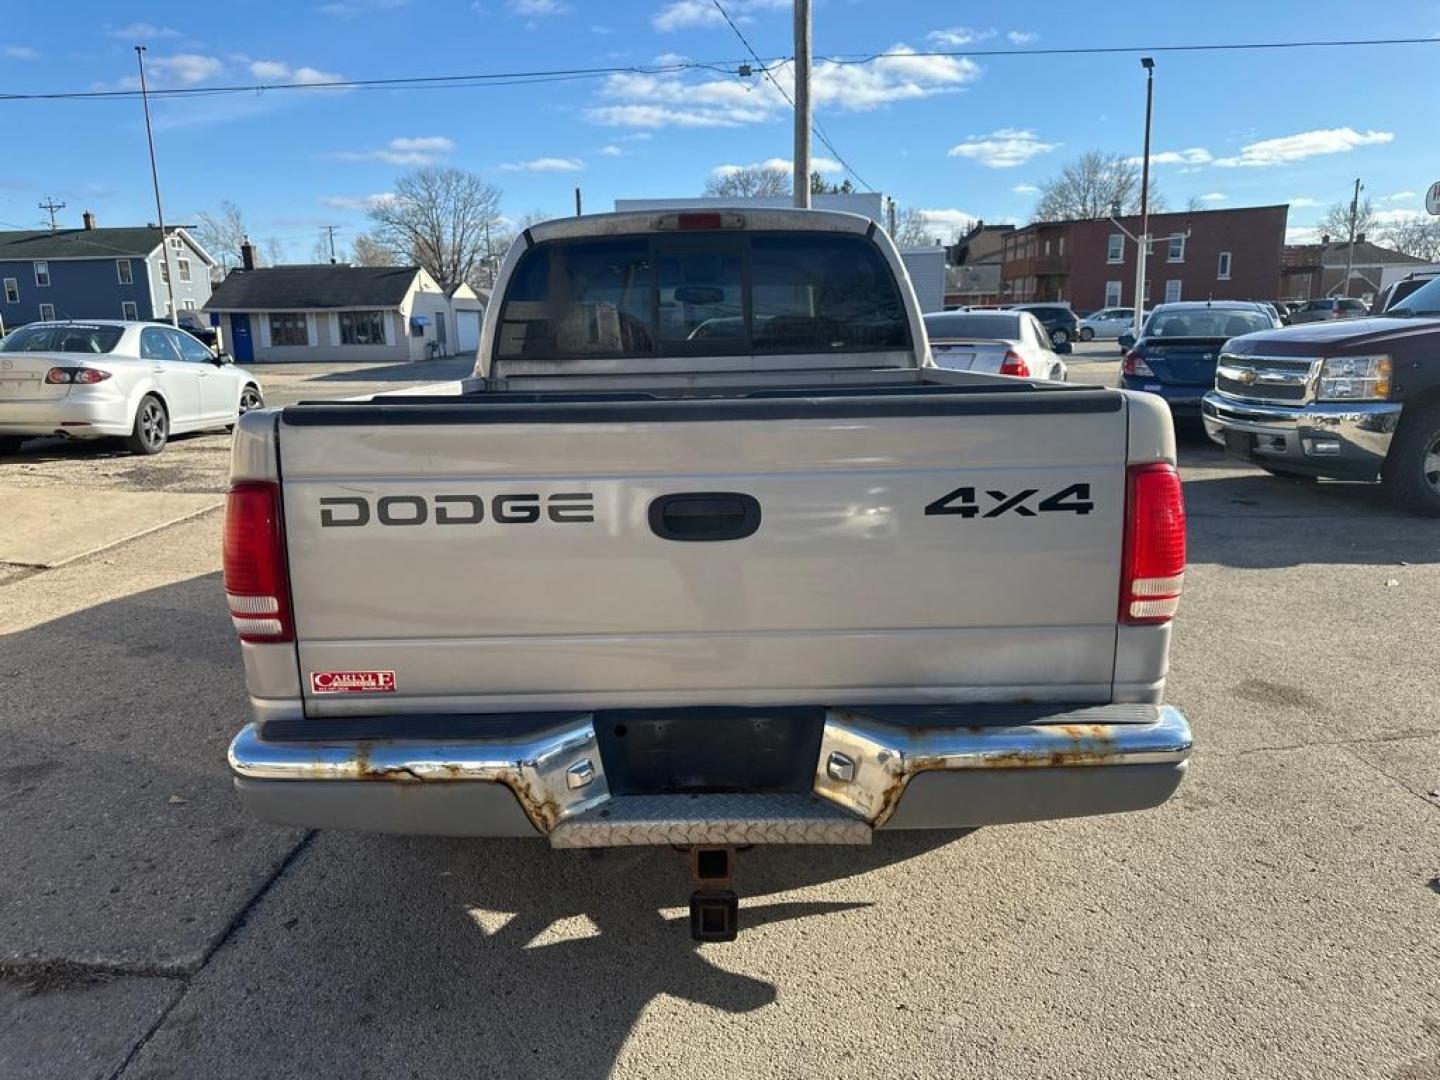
(1278, 918)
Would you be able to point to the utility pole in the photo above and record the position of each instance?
(800, 178)
(330, 232)
(1354, 214)
(1142, 248)
(155, 178)
(51, 205)
(577, 202)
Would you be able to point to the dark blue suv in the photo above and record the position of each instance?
(1180, 344)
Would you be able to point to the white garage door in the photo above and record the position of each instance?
(467, 327)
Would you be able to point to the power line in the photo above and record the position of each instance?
(727, 67)
(814, 125)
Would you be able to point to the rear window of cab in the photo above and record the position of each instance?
(690, 294)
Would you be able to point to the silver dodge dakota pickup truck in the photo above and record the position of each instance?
(707, 553)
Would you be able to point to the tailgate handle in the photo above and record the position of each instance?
(704, 515)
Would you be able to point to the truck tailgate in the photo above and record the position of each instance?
(484, 557)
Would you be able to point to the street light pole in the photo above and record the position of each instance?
(155, 178)
(1143, 247)
(1350, 255)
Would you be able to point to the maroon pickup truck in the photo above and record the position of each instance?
(1356, 400)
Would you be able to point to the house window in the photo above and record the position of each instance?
(12, 291)
(124, 272)
(128, 311)
(42, 274)
(1060, 245)
(362, 328)
(1116, 251)
(184, 265)
(1172, 291)
(288, 328)
(1112, 294)
(1047, 247)
(1222, 270)
(1177, 248)
(47, 312)
(165, 270)
(187, 305)
(177, 244)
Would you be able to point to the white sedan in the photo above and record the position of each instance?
(997, 342)
(1107, 324)
(138, 381)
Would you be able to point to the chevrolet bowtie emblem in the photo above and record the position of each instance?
(1247, 377)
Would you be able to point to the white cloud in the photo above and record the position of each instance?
(19, 52)
(1398, 196)
(141, 31)
(823, 165)
(1302, 236)
(1301, 201)
(944, 222)
(356, 202)
(959, 36)
(1003, 149)
(545, 164)
(276, 71)
(611, 151)
(411, 150)
(537, 8)
(1195, 155)
(688, 14)
(1390, 217)
(1214, 197)
(1025, 189)
(670, 99)
(1305, 144)
(1022, 37)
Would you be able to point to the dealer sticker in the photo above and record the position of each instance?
(352, 682)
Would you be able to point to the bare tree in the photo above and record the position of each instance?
(1336, 222)
(368, 251)
(274, 250)
(221, 235)
(320, 253)
(438, 220)
(499, 238)
(1417, 235)
(1091, 186)
(912, 230)
(746, 182)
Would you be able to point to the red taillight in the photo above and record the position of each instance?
(88, 376)
(1153, 568)
(256, 586)
(1134, 364)
(58, 375)
(701, 221)
(1014, 364)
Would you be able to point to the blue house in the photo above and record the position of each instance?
(94, 273)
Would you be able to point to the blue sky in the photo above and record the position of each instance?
(956, 137)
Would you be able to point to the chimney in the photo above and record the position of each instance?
(89, 219)
(1360, 238)
(1325, 238)
(247, 254)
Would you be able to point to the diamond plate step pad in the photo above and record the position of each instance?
(640, 820)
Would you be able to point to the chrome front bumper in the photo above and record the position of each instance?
(1090, 760)
(1325, 439)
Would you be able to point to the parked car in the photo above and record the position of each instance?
(1180, 344)
(672, 648)
(1106, 324)
(1396, 291)
(133, 380)
(998, 342)
(1059, 321)
(1288, 308)
(1328, 309)
(1353, 400)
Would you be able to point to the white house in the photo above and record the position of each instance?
(330, 312)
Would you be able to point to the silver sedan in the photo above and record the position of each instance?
(138, 381)
(997, 342)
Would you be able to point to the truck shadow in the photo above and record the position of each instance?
(521, 960)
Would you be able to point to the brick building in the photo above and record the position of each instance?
(1310, 271)
(1227, 255)
(972, 270)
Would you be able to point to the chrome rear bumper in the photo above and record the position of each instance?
(1090, 760)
